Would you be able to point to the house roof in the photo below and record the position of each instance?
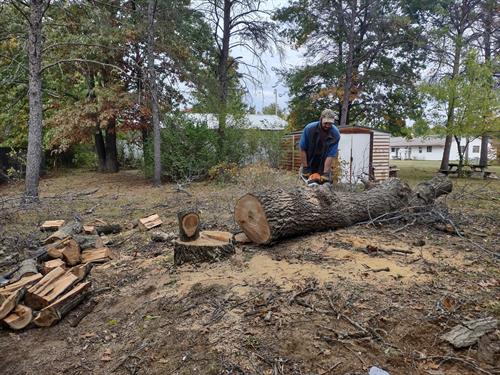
(260, 122)
(418, 141)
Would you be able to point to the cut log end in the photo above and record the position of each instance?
(204, 249)
(20, 317)
(251, 217)
(189, 225)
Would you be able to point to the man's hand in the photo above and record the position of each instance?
(306, 172)
(326, 177)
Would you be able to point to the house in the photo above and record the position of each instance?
(259, 122)
(363, 154)
(431, 148)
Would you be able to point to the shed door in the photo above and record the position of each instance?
(354, 154)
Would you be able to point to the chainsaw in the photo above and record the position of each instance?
(313, 180)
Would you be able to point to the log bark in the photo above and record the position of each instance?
(204, 249)
(468, 333)
(189, 225)
(272, 215)
(67, 230)
(108, 229)
(27, 268)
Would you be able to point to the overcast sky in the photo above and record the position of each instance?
(264, 95)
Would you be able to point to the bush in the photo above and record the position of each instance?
(188, 150)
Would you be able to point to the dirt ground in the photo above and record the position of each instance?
(317, 304)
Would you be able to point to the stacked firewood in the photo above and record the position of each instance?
(45, 288)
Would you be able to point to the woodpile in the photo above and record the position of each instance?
(44, 289)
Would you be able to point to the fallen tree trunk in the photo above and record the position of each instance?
(272, 215)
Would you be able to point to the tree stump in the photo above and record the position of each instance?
(272, 215)
(189, 225)
(210, 247)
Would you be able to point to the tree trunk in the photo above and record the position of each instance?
(100, 149)
(223, 71)
(272, 215)
(153, 93)
(488, 11)
(451, 104)
(111, 152)
(34, 157)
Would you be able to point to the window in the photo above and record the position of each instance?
(393, 149)
(475, 149)
(429, 148)
(419, 149)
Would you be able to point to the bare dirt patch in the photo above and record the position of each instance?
(318, 304)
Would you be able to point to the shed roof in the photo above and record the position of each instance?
(418, 141)
(260, 122)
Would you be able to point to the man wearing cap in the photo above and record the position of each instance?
(319, 144)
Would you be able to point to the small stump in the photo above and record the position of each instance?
(211, 246)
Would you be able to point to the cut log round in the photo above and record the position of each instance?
(204, 249)
(8, 303)
(189, 225)
(20, 317)
(277, 214)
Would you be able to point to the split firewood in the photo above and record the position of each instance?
(51, 264)
(89, 229)
(51, 225)
(272, 215)
(19, 318)
(26, 281)
(8, 303)
(56, 310)
(53, 285)
(27, 268)
(108, 229)
(97, 255)
(67, 230)
(468, 333)
(189, 225)
(204, 249)
(150, 222)
(71, 253)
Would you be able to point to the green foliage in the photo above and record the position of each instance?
(188, 150)
(387, 58)
(476, 103)
(84, 156)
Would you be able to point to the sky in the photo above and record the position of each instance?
(263, 94)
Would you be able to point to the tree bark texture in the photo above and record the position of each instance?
(34, 156)
(223, 69)
(111, 151)
(204, 249)
(153, 93)
(273, 215)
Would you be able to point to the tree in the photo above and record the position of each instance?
(363, 59)
(153, 92)
(449, 33)
(476, 104)
(242, 24)
(273, 109)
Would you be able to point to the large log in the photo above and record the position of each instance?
(272, 215)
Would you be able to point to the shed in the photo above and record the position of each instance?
(363, 152)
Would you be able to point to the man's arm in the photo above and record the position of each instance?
(303, 158)
(328, 164)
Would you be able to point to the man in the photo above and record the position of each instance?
(319, 144)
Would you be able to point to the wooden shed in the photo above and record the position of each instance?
(363, 153)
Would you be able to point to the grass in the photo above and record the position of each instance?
(415, 171)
